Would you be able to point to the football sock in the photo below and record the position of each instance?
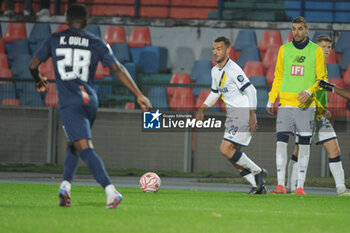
(109, 189)
(292, 173)
(65, 185)
(70, 165)
(336, 167)
(281, 161)
(96, 167)
(303, 161)
(248, 176)
(242, 160)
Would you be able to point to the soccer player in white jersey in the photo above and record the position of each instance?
(231, 84)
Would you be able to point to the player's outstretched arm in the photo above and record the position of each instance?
(333, 88)
(40, 81)
(123, 75)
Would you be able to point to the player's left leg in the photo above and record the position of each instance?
(248, 176)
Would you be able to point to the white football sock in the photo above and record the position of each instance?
(303, 161)
(110, 191)
(281, 161)
(251, 179)
(247, 163)
(289, 173)
(338, 174)
(294, 178)
(65, 185)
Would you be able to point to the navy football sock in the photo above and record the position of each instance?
(96, 167)
(70, 165)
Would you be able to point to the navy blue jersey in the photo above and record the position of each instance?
(75, 54)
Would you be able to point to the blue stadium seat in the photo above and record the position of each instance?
(18, 48)
(131, 67)
(38, 34)
(319, 16)
(258, 81)
(154, 59)
(7, 91)
(135, 54)
(340, 15)
(342, 43)
(29, 96)
(158, 97)
(20, 65)
(345, 60)
(103, 89)
(248, 54)
(245, 39)
(333, 71)
(201, 74)
(94, 29)
(0, 31)
(121, 52)
(292, 9)
(262, 97)
(318, 33)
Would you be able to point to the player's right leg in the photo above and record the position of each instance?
(292, 169)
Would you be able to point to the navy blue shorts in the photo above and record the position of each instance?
(77, 121)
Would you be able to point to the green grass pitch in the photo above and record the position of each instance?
(33, 208)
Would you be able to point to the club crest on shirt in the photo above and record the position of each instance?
(240, 78)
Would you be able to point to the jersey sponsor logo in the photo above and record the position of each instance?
(297, 70)
(240, 78)
(299, 59)
(151, 120)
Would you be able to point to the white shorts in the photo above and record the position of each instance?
(237, 127)
(290, 119)
(323, 131)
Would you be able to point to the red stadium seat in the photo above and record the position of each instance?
(189, 13)
(198, 3)
(2, 47)
(5, 73)
(46, 67)
(114, 34)
(139, 37)
(289, 37)
(270, 75)
(4, 61)
(331, 59)
(181, 99)
(51, 98)
(113, 10)
(253, 68)
(180, 78)
(154, 11)
(346, 77)
(270, 39)
(13, 102)
(202, 97)
(130, 105)
(101, 71)
(62, 27)
(270, 58)
(337, 81)
(15, 31)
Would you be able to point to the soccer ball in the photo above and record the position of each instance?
(150, 182)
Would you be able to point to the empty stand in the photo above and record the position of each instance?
(183, 60)
(129, 105)
(51, 98)
(158, 98)
(10, 102)
(331, 59)
(46, 67)
(340, 15)
(94, 29)
(2, 46)
(202, 97)
(245, 39)
(292, 9)
(319, 11)
(180, 78)
(139, 37)
(333, 71)
(38, 34)
(18, 48)
(345, 60)
(114, 34)
(258, 81)
(346, 77)
(7, 91)
(4, 61)
(270, 75)
(262, 97)
(29, 96)
(289, 37)
(5, 73)
(181, 99)
(101, 71)
(270, 39)
(15, 31)
(270, 58)
(154, 59)
(201, 72)
(62, 27)
(20, 65)
(121, 52)
(342, 43)
(253, 68)
(318, 33)
(248, 54)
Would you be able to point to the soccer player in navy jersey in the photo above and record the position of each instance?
(75, 54)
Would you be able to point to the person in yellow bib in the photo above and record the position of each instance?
(300, 63)
(324, 134)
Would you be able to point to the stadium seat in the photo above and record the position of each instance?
(289, 37)
(2, 47)
(331, 59)
(180, 78)
(132, 68)
(262, 97)
(270, 39)
(103, 89)
(18, 48)
(345, 60)
(158, 97)
(202, 97)
(270, 58)
(20, 65)
(201, 72)
(15, 31)
(154, 59)
(342, 16)
(0, 31)
(29, 96)
(46, 67)
(38, 34)
(114, 34)
(245, 39)
(139, 37)
(248, 54)
(135, 54)
(206, 54)
(181, 99)
(337, 81)
(318, 33)
(183, 60)
(318, 16)
(253, 68)
(10, 102)
(129, 105)
(4, 74)
(7, 91)
(258, 81)
(101, 71)
(121, 52)
(346, 77)
(51, 98)
(4, 61)
(292, 9)
(94, 29)
(333, 71)
(342, 43)
(270, 75)
(62, 27)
